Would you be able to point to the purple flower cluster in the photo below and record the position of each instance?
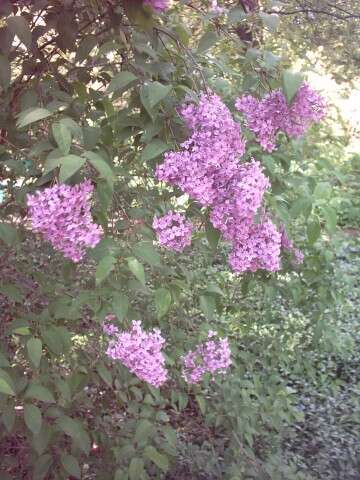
(208, 159)
(62, 215)
(173, 230)
(287, 244)
(268, 116)
(208, 170)
(139, 351)
(212, 356)
(158, 5)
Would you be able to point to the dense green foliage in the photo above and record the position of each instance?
(90, 89)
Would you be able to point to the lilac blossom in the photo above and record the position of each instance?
(287, 245)
(157, 5)
(62, 215)
(139, 351)
(212, 356)
(267, 117)
(173, 231)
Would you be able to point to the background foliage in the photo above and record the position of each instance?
(90, 88)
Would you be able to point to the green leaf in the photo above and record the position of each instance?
(69, 165)
(34, 349)
(120, 81)
(62, 137)
(19, 26)
(202, 404)
(271, 21)
(208, 306)
(12, 292)
(5, 387)
(42, 466)
(330, 218)
(301, 206)
(71, 465)
(154, 149)
(144, 429)
(151, 94)
(38, 392)
(120, 305)
(33, 419)
(105, 374)
(86, 45)
(160, 460)
(75, 430)
(5, 72)
(136, 468)
(32, 115)
(291, 82)
(207, 41)
(104, 268)
(147, 252)
(8, 234)
(323, 190)
(313, 230)
(162, 301)
(212, 235)
(101, 166)
(137, 269)
(4, 362)
(8, 417)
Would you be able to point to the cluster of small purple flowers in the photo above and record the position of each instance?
(173, 231)
(208, 159)
(208, 170)
(266, 117)
(212, 356)
(139, 351)
(62, 215)
(287, 244)
(157, 5)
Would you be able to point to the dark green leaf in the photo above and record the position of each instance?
(71, 465)
(162, 301)
(160, 460)
(38, 392)
(101, 166)
(33, 419)
(34, 349)
(120, 81)
(120, 305)
(20, 27)
(207, 41)
(32, 115)
(5, 72)
(136, 468)
(154, 149)
(104, 268)
(146, 251)
(62, 137)
(151, 94)
(69, 165)
(8, 234)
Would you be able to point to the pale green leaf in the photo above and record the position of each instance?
(120, 81)
(34, 349)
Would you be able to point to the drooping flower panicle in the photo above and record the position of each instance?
(173, 231)
(207, 168)
(267, 117)
(212, 356)
(139, 351)
(62, 214)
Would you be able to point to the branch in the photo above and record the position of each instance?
(313, 10)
